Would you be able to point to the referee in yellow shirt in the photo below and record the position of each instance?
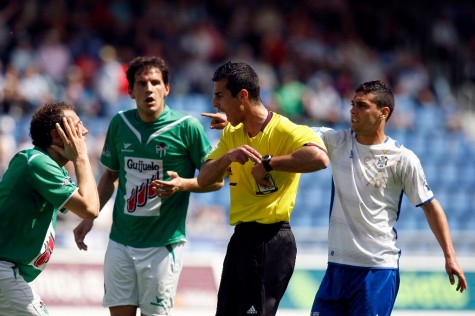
(263, 154)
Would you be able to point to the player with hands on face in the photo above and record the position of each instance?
(35, 187)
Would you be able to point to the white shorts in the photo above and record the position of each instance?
(143, 277)
(16, 295)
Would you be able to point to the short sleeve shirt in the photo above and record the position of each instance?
(249, 202)
(142, 152)
(32, 190)
(369, 183)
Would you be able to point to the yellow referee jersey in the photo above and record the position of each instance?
(249, 202)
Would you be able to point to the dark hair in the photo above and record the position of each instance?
(142, 63)
(383, 96)
(239, 76)
(44, 121)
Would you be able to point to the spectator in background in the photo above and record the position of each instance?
(370, 173)
(77, 91)
(23, 55)
(263, 154)
(53, 56)
(12, 102)
(33, 190)
(319, 100)
(288, 96)
(8, 143)
(34, 88)
(108, 79)
(149, 143)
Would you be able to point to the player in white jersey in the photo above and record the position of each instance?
(32, 191)
(371, 172)
(144, 145)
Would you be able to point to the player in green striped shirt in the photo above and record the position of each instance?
(32, 191)
(152, 142)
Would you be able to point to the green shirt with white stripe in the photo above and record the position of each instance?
(142, 152)
(32, 191)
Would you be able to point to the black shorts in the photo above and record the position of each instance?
(259, 262)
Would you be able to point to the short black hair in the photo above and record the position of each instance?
(142, 63)
(44, 121)
(383, 96)
(239, 76)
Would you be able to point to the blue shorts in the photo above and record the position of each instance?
(358, 291)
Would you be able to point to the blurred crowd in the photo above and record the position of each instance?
(309, 54)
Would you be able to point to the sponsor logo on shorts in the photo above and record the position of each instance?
(158, 301)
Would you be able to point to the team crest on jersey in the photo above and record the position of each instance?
(161, 149)
(66, 181)
(382, 162)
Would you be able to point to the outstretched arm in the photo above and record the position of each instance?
(164, 189)
(438, 224)
(218, 120)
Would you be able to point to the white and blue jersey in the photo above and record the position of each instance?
(368, 186)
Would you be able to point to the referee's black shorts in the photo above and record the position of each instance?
(259, 262)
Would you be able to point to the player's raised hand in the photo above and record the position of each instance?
(243, 154)
(74, 145)
(164, 189)
(218, 120)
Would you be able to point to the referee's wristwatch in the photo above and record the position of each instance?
(266, 162)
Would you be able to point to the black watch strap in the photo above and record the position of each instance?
(266, 162)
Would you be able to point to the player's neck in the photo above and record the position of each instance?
(371, 139)
(257, 121)
(60, 160)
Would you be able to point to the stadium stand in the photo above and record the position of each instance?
(77, 50)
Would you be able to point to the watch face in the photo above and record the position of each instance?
(266, 162)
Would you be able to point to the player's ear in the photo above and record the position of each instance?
(55, 138)
(243, 94)
(131, 93)
(385, 112)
